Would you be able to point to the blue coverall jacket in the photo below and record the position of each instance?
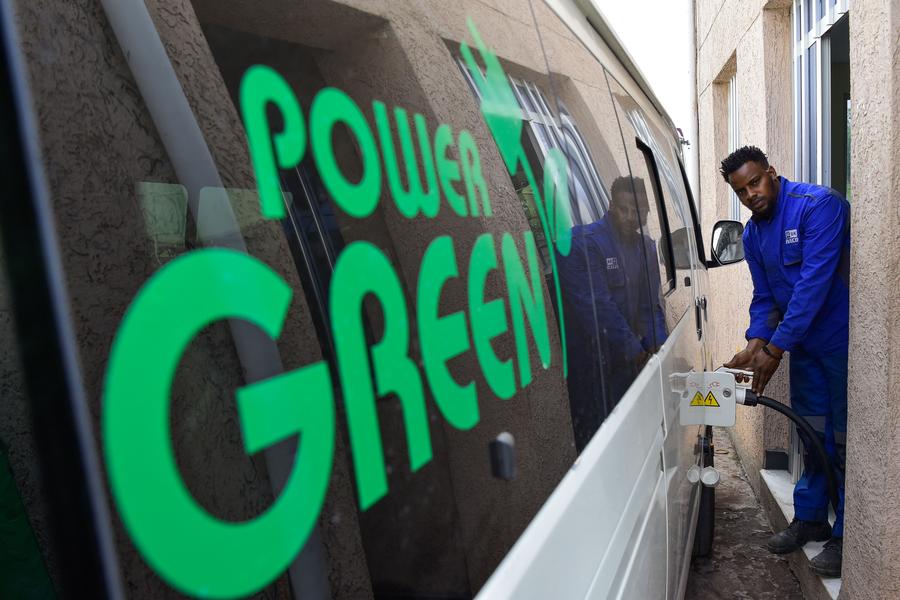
(605, 282)
(799, 261)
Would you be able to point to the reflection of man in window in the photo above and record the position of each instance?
(613, 320)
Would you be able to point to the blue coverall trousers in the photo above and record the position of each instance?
(819, 394)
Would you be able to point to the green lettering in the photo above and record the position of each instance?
(475, 184)
(556, 195)
(448, 169)
(408, 202)
(330, 107)
(196, 552)
(361, 270)
(259, 87)
(526, 301)
(444, 338)
(488, 319)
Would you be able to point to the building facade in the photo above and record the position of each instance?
(814, 83)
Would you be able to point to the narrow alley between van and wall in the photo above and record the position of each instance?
(739, 566)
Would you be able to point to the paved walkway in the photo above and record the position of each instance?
(739, 566)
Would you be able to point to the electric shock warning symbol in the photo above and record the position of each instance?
(710, 400)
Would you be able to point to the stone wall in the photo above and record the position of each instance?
(750, 40)
(872, 549)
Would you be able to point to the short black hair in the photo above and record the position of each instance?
(740, 157)
(624, 184)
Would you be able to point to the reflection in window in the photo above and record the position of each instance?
(612, 323)
(588, 195)
(669, 224)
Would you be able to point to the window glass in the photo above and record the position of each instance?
(812, 128)
(655, 222)
(28, 567)
(681, 223)
(613, 321)
(798, 115)
(674, 297)
(313, 282)
(332, 267)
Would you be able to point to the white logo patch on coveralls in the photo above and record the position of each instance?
(791, 237)
(612, 263)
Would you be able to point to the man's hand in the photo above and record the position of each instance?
(764, 365)
(744, 358)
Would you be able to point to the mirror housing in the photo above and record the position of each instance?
(727, 243)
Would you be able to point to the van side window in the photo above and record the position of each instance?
(656, 223)
(610, 322)
(644, 154)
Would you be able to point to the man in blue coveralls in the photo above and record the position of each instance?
(797, 245)
(614, 321)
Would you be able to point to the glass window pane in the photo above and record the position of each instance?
(404, 290)
(609, 314)
(637, 126)
(798, 116)
(812, 112)
(29, 565)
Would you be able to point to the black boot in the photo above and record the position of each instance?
(827, 563)
(797, 534)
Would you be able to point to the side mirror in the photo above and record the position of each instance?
(727, 245)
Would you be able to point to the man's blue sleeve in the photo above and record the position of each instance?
(583, 279)
(764, 314)
(824, 226)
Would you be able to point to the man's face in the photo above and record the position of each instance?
(756, 187)
(622, 210)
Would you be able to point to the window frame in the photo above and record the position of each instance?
(733, 140)
(666, 233)
(810, 41)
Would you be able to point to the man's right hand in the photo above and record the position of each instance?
(744, 358)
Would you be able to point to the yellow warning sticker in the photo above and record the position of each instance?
(710, 400)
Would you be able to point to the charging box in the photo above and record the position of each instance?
(706, 398)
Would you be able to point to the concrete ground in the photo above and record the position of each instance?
(739, 566)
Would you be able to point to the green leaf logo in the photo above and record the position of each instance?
(498, 101)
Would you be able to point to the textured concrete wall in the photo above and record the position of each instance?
(872, 549)
(750, 40)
